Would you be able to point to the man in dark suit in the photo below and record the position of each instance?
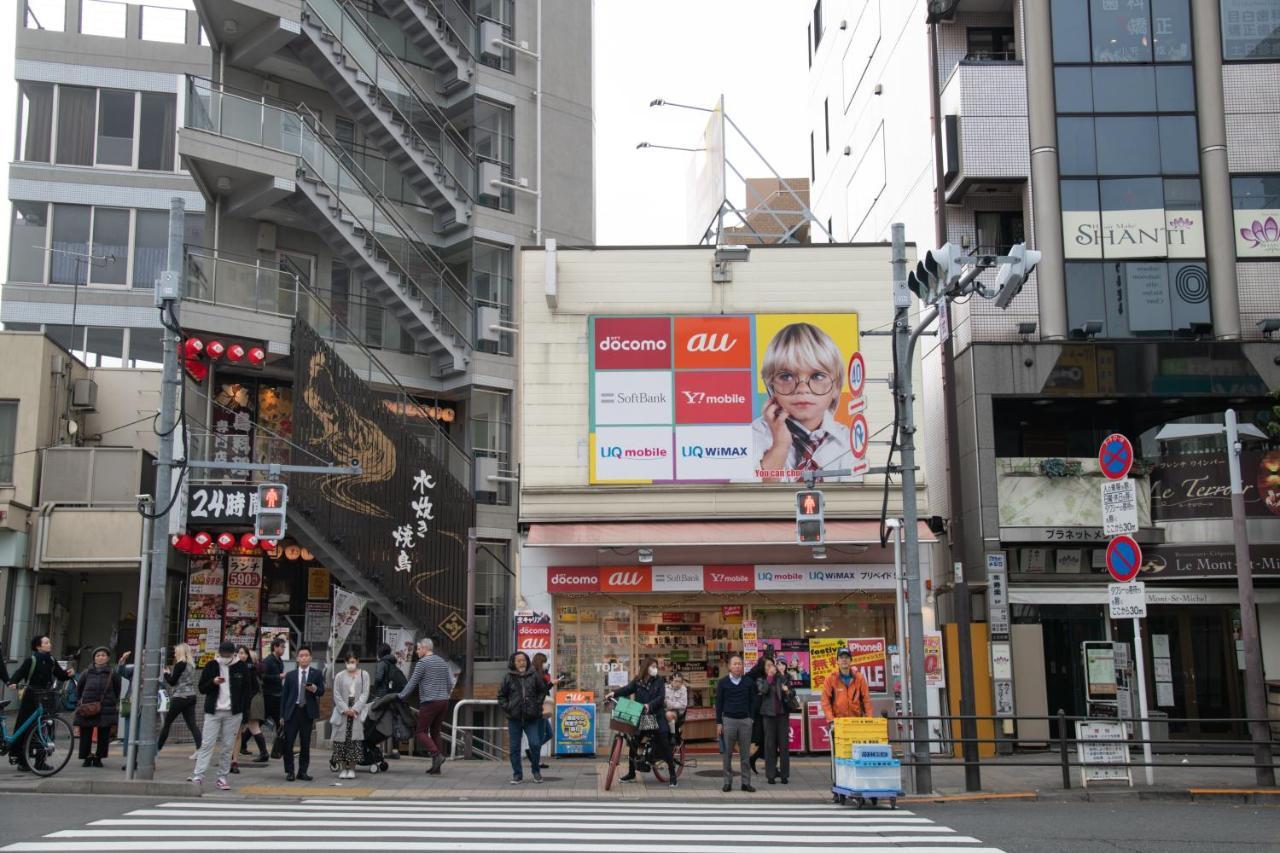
(299, 710)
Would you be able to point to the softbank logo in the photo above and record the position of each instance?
(711, 342)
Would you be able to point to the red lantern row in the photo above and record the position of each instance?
(202, 542)
(196, 352)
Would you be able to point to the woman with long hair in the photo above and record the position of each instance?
(254, 713)
(181, 679)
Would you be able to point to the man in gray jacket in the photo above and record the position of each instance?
(433, 680)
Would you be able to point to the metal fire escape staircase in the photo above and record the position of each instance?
(397, 114)
(444, 32)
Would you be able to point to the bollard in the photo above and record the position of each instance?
(1062, 749)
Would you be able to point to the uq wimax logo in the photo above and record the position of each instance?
(702, 451)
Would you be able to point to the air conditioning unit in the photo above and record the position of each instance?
(488, 319)
(490, 31)
(485, 467)
(84, 395)
(490, 172)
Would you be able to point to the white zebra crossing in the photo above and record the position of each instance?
(560, 826)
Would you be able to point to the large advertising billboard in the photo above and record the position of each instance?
(724, 398)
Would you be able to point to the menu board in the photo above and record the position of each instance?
(204, 607)
(243, 600)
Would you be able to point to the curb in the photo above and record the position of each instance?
(969, 798)
(125, 787)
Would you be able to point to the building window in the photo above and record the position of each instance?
(27, 241)
(493, 138)
(502, 12)
(109, 263)
(998, 231)
(115, 128)
(8, 437)
(491, 439)
(817, 25)
(151, 247)
(1256, 202)
(157, 131)
(48, 15)
(492, 285)
(494, 604)
(166, 25)
(1109, 32)
(1250, 31)
(990, 44)
(146, 348)
(35, 122)
(77, 111)
(70, 248)
(102, 18)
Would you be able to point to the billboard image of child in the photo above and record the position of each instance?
(797, 431)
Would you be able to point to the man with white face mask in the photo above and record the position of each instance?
(223, 683)
(650, 690)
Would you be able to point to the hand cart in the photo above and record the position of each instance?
(868, 773)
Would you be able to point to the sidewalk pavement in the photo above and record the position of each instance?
(583, 778)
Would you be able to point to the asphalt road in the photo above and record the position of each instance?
(1123, 826)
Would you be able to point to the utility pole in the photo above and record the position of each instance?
(960, 588)
(904, 344)
(168, 294)
(1254, 699)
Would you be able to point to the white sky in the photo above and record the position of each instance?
(689, 51)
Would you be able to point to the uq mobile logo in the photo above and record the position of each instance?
(613, 343)
(704, 342)
(700, 398)
(626, 579)
(702, 451)
(770, 577)
(616, 452)
(572, 580)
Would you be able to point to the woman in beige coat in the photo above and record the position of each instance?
(350, 708)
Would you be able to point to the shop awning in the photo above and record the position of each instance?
(654, 534)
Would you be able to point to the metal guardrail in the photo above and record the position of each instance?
(491, 750)
(1065, 744)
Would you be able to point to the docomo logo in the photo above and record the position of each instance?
(573, 580)
(617, 344)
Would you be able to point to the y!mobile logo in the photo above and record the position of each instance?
(698, 398)
(711, 342)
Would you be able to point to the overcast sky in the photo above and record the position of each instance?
(689, 51)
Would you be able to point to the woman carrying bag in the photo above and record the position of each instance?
(99, 706)
(350, 709)
(181, 680)
(776, 704)
(520, 697)
(650, 690)
(254, 714)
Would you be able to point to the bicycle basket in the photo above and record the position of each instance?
(628, 711)
(623, 727)
(49, 700)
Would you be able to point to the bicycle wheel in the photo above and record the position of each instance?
(660, 767)
(615, 755)
(48, 745)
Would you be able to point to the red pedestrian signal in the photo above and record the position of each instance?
(810, 524)
(271, 498)
(270, 519)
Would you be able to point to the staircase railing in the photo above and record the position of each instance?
(302, 134)
(221, 278)
(384, 69)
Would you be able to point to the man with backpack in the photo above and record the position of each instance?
(388, 679)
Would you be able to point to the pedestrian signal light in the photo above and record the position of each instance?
(810, 525)
(269, 522)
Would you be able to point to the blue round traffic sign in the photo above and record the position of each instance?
(1124, 558)
(1115, 457)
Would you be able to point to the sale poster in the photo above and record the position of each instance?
(822, 661)
(204, 607)
(935, 671)
(533, 634)
(244, 594)
(796, 654)
(870, 657)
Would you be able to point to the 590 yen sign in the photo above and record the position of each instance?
(242, 578)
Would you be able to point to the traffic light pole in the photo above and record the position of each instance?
(904, 340)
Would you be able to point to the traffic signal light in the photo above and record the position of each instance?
(1013, 274)
(273, 500)
(810, 525)
(939, 270)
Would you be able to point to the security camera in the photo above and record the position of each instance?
(732, 253)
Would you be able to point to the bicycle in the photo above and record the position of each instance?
(46, 740)
(625, 734)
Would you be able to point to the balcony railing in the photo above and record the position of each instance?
(211, 108)
(380, 65)
(244, 283)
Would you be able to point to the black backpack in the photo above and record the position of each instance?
(396, 679)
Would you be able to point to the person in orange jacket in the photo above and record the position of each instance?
(845, 692)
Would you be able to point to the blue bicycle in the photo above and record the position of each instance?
(46, 740)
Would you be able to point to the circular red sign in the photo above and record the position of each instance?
(859, 437)
(857, 374)
(1124, 558)
(1115, 457)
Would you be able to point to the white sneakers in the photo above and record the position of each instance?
(347, 774)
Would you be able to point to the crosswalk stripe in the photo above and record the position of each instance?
(913, 824)
(339, 818)
(610, 846)
(514, 832)
(644, 806)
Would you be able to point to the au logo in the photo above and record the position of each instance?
(453, 626)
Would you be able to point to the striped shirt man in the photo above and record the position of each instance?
(432, 678)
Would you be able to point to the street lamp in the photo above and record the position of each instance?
(1255, 700)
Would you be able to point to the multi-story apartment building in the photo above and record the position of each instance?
(361, 170)
(1134, 145)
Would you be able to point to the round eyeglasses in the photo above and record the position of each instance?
(786, 383)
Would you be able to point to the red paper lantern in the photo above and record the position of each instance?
(215, 349)
(192, 349)
(248, 541)
(257, 355)
(202, 542)
(235, 352)
(197, 370)
(226, 541)
(183, 542)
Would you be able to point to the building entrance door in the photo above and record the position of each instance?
(1207, 680)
